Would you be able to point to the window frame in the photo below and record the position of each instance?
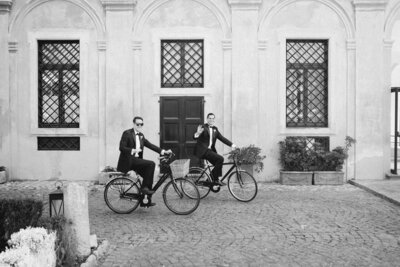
(333, 70)
(58, 34)
(61, 111)
(304, 123)
(182, 70)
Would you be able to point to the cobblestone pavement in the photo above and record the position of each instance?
(283, 226)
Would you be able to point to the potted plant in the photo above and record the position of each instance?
(296, 161)
(249, 158)
(329, 164)
(106, 174)
(3, 175)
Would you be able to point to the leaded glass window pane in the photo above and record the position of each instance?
(307, 83)
(182, 63)
(58, 84)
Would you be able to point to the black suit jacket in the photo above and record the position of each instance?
(204, 139)
(126, 145)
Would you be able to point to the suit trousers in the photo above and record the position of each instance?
(144, 168)
(216, 160)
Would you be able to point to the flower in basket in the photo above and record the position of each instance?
(249, 155)
(109, 169)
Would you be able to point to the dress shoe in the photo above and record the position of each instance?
(147, 191)
(218, 182)
(147, 205)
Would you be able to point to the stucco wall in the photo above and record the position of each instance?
(244, 55)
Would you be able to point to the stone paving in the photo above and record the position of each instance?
(283, 226)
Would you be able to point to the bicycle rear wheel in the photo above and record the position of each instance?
(201, 179)
(181, 196)
(122, 195)
(242, 186)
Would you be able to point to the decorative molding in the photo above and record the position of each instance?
(13, 47)
(266, 15)
(262, 44)
(226, 44)
(370, 5)
(137, 45)
(351, 44)
(388, 43)
(245, 4)
(5, 6)
(118, 5)
(101, 45)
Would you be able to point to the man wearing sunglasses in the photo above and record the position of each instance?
(131, 156)
(206, 137)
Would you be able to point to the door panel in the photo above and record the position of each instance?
(179, 118)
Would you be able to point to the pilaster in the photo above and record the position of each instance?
(372, 118)
(118, 73)
(227, 74)
(5, 116)
(137, 52)
(102, 48)
(351, 105)
(245, 92)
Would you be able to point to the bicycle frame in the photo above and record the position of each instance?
(234, 166)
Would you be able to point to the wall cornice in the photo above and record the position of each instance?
(137, 45)
(5, 6)
(351, 44)
(370, 5)
(226, 44)
(13, 47)
(262, 44)
(101, 45)
(245, 4)
(118, 5)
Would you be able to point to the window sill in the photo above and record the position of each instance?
(58, 132)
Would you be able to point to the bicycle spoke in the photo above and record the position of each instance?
(242, 186)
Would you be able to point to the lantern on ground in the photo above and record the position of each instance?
(56, 201)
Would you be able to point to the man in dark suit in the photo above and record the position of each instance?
(206, 137)
(131, 156)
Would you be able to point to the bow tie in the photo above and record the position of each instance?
(211, 126)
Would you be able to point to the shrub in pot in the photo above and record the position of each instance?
(296, 161)
(248, 158)
(328, 165)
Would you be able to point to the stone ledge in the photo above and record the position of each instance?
(376, 193)
(98, 253)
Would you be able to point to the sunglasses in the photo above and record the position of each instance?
(139, 124)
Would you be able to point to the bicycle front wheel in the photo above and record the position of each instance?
(201, 179)
(122, 195)
(242, 186)
(181, 196)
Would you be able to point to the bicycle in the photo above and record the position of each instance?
(123, 194)
(241, 184)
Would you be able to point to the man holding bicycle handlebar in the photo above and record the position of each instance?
(131, 156)
(206, 136)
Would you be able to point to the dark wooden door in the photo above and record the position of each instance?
(179, 118)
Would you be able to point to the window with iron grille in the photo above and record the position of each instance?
(307, 83)
(58, 143)
(313, 143)
(182, 63)
(58, 84)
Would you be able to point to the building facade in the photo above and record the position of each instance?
(75, 72)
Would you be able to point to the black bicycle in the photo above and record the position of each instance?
(122, 194)
(241, 184)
